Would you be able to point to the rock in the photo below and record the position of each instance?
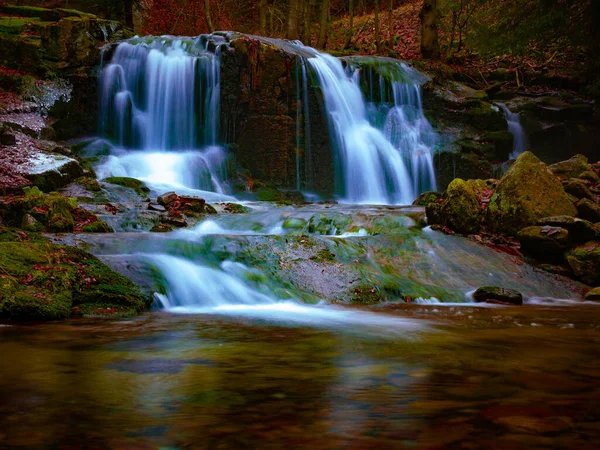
(426, 198)
(30, 223)
(590, 175)
(161, 228)
(178, 222)
(577, 188)
(571, 168)
(8, 139)
(132, 183)
(193, 204)
(234, 208)
(209, 209)
(544, 242)
(589, 210)
(167, 198)
(461, 209)
(503, 144)
(495, 294)
(593, 295)
(579, 230)
(527, 192)
(294, 223)
(585, 262)
(156, 207)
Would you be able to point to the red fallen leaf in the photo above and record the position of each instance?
(41, 268)
(89, 281)
(40, 210)
(23, 236)
(27, 279)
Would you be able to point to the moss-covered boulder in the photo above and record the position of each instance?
(579, 230)
(593, 295)
(427, 197)
(585, 262)
(589, 210)
(578, 188)
(527, 192)
(571, 168)
(132, 183)
(42, 281)
(460, 210)
(544, 242)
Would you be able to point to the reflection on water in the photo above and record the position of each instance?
(505, 378)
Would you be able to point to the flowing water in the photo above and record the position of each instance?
(242, 352)
(516, 129)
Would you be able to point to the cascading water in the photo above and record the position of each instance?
(368, 167)
(516, 129)
(396, 108)
(159, 111)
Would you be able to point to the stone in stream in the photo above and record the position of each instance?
(156, 207)
(294, 223)
(167, 198)
(544, 242)
(495, 294)
(593, 295)
(585, 262)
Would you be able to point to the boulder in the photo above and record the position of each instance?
(593, 295)
(589, 210)
(156, 207)
(426, 198)
(167, 199)
(571, 168)
(527, 192)
(460, 210)
(585, 262)
(498, 295)
(590, 175)
(579, 230)
(30, 223)
(546, 243)
(578, 188)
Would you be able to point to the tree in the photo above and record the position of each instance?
(307, 21)
(292, 20)
(391, 25)
(351, 30)
(430, 46)
(209, 23)
(323, 24)
(377, 28)
(262, 8)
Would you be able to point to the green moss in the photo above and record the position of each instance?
(365, 294)
(527, 192)
(98, 226)
(14, 25)
(234, 208)
(138, 186)
(89, 183)
(323, 255)
(209, 209)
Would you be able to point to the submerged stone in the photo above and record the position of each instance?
(495, 294)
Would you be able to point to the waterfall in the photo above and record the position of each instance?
(395, 107)
(368, 167)
(516, 129)
(160, 101)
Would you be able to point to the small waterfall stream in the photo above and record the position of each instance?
(516, 129)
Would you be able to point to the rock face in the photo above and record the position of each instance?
(527, 192)
(260, 110)
(495, 294)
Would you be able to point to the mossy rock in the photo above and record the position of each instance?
(365, 294)
(138, 186)
(98, 226)
(503, 144)
(42, 281)
(589, 210)
(236, 208)
(585, 262)
(546, 243)
(571, 168)
(495, 294)
(527, 192)
(459, 211)
(426, 198)
(333, 224)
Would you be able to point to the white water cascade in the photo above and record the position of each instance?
(516, 129)
(369, 170)
(160, 111)
(395, 107)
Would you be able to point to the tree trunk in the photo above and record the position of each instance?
(377, 28)
(292, 21)
(128, 13)
(351, 30)
(430, 46)
(307, 22)
(262, 8)
(391, 26)
(323, 24)
(207, 17)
